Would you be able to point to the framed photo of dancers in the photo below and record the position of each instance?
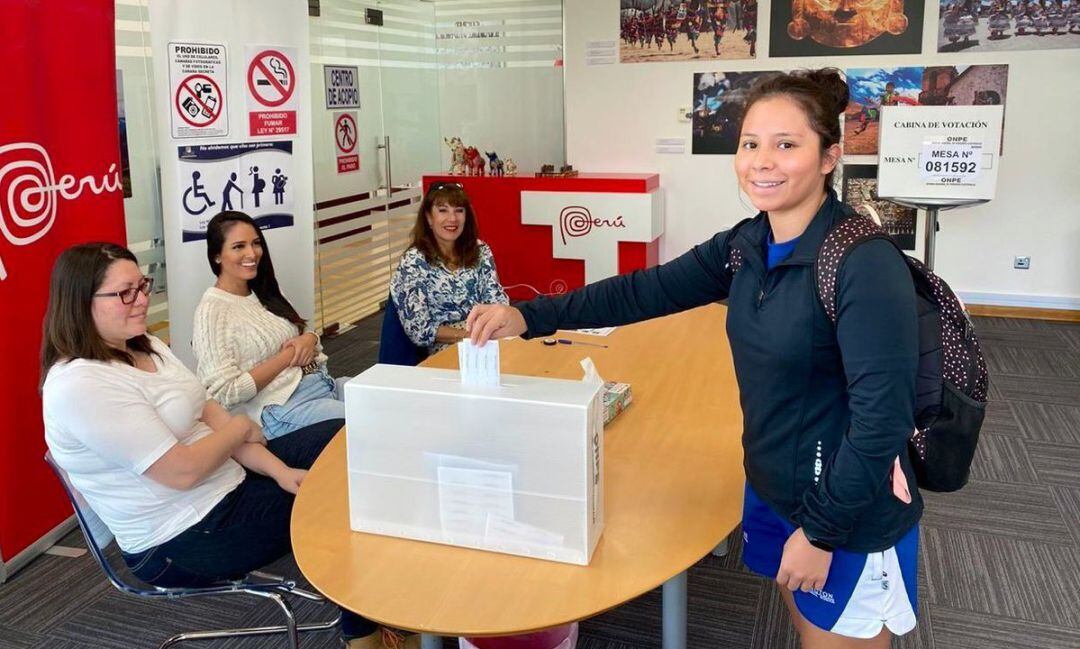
(940, 85)
(685, 30)
(1007, 25)
(845, 27)
(718, 106)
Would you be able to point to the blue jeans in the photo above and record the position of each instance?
(247, 530)
(317, 397)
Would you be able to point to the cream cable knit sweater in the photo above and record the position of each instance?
(234, 334)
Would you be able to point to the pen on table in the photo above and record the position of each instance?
(567, 341)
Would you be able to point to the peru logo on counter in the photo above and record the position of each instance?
(590, 226)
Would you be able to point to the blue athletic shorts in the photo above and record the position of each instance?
(863, 591)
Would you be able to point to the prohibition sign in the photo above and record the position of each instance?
(345, 133)
(209, 109)
(268, 72)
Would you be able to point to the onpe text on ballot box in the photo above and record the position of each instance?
(514, 468)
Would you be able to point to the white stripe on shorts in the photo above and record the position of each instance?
(880, 598)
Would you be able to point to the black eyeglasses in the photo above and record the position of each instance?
(444, 185)
(127, 296)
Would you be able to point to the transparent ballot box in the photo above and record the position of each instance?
(515, 467)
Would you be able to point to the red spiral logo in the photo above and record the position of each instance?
(557, 287)
(30, 192)
(575, 221)
(27, 194)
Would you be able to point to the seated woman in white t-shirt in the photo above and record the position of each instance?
(162, 465)
(254, 353)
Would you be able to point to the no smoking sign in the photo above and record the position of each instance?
(272, 95)
(345, 138)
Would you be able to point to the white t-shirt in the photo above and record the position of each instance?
(107, 423)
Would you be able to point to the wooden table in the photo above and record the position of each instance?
(673, 491)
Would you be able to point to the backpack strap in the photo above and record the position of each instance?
(848, 233)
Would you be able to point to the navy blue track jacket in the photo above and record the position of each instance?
(826, 409)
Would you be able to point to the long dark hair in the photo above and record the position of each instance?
(265, 285)
(69, 329)
(466, 248)
(822, 95)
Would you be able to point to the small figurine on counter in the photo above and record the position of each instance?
(566, 169)
(547, 169)
(474, 162)
(457, 150)
(511, 167)
(495, 166)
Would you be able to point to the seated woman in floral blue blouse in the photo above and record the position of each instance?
(444, 272)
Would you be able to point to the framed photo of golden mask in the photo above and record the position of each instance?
(845, 27)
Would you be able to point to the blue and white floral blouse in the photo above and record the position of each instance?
(429, 296)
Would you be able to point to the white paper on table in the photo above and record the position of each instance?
(469, 497)
(479, 365)
(596, 331)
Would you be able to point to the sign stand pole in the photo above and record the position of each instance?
(932, 207)
(931, 236)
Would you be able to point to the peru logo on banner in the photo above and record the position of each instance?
(59, 185)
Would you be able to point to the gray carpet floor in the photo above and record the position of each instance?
(1000, 559)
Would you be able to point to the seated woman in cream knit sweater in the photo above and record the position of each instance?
(254, 353)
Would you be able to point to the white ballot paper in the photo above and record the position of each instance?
(479, 365)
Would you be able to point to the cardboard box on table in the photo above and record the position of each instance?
(514, 468)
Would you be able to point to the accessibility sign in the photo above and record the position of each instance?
(272, 96)
(197, 77)
(345, 137)
(342, 87)
(249, 176)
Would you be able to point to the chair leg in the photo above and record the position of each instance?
(251, 631)
(290, 619)
(290, 628)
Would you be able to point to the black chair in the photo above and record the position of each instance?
(395, 347)
(259, 584)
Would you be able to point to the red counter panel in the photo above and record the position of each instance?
(524, 253)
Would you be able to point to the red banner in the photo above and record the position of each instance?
(59, 185)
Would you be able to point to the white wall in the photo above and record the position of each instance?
(502, 92)
(614, 114)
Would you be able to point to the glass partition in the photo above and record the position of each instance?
(487, 71)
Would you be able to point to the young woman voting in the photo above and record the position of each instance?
(827, 411)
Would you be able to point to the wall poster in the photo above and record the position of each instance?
(667, 30)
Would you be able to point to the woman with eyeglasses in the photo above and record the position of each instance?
(161, 464)
(445, 272)
(255, 353)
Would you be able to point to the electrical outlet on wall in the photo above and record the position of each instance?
(1021, 263)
